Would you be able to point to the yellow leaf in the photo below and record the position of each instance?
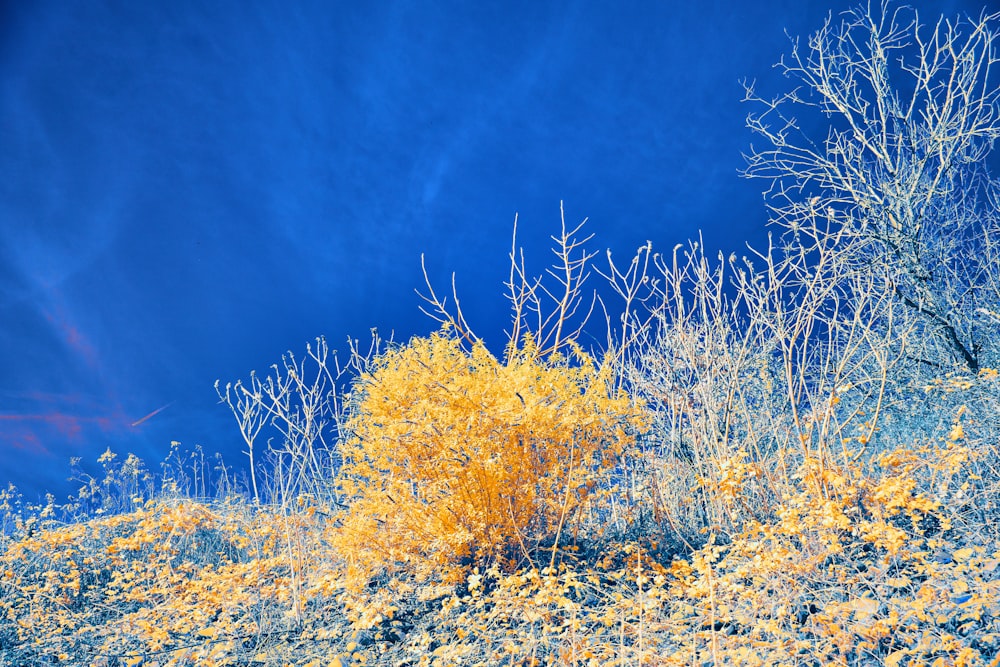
(864, 607)
(963, 554)
(892, 660)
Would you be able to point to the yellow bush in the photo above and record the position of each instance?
(456, 457)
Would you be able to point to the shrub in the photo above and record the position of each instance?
(178, 581)
(861, 567)
(455, 457)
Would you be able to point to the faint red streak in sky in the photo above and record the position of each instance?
(152, 414)
(69, 426)
(46, 433)
(51, 417)
(26, 440)
(73, 337)
(36, 396)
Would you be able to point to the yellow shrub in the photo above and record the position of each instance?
(455, 456)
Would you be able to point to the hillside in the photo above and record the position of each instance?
(785, 458)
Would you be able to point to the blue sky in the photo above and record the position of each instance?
(187, 191)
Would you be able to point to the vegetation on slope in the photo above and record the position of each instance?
(786, 459)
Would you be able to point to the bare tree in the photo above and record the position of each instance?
(302, 403)
(554, 315)
(750, 366)
(882, 144)
(247, 406)
(884, 274)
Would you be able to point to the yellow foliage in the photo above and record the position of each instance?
(865, 568)
(181, 580)
(455, 456)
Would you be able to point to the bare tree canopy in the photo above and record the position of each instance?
(881, 147)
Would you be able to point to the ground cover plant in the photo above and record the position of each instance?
(789, 458)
